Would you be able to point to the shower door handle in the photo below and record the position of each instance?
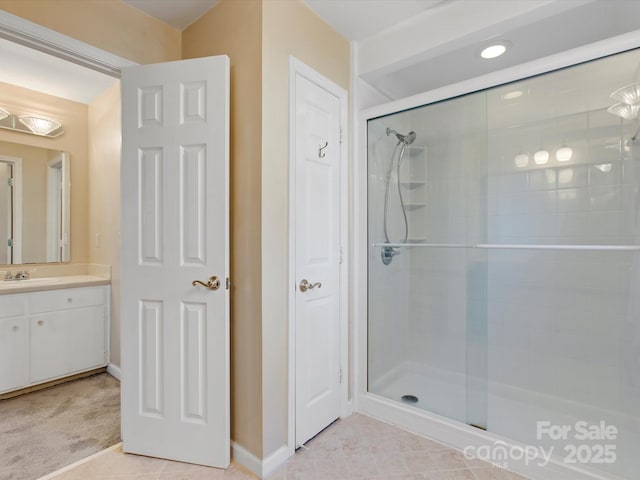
(305, 285)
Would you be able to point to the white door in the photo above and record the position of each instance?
(58, 215)
(317, 255)
(175, 335)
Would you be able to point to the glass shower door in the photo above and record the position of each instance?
(512, 305)
(426, 329)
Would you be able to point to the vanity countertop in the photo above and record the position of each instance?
(58, 282)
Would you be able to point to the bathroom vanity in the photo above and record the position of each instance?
(52, 328)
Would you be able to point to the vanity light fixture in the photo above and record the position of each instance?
(564, 153)
(628, 99)
(495, 49)
(521, 160)
(624, 110)
(541, 157)
(39, 125)
(629, 94)
(32, 124)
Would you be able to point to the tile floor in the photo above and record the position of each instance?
(357, 447)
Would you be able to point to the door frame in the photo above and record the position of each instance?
(16, 215)
(296, 67)
(37, 37)
(43, 39)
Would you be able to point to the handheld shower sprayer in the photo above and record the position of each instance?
(388, 252)
(406, 139)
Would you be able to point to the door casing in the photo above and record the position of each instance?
(16, 216)
(296, 67)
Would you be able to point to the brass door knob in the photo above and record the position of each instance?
(305, 285)
(212, 284)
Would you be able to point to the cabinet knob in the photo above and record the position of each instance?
(69, 299)
(40, 322)
(15, 328)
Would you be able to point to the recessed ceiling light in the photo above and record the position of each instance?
(513, 94)
(495, 50)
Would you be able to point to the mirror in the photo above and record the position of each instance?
(34, 204)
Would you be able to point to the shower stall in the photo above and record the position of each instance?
(503, 265)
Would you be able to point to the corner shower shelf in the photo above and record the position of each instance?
(414, 148)
(414, 206)
(412, 185)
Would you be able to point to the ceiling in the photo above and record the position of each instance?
(177, 13)
(440, 65)
(354, 19)
(359, 19)
(532, 37)
(38, 71)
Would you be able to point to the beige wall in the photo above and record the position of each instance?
(288, 28)
(104, 197)
(233, 28)
(74, 118)
(258, 36)
(107, 24)
(125, 31)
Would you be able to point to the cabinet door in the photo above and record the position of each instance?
(67, 342)
(13, 353)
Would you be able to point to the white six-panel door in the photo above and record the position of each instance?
(175, 336)
(317, 256)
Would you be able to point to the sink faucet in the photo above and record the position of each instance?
(19, 275)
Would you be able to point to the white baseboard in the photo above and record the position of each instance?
(259, 467)
(275, 460)
(247, 459)
(114, 371)
(350, 407)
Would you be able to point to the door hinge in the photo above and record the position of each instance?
(10, 182)
(340, 260)
(340, 134)
(10, 242)
(341, 375)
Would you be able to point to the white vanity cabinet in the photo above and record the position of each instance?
(56, 333)
(14, 342)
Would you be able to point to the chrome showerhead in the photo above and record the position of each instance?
(410, 137)
(406, 139)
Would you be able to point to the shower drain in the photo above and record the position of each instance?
(409, 398)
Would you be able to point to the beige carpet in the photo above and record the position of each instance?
(43, 431)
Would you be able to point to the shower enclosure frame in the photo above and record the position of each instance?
(445, 430)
